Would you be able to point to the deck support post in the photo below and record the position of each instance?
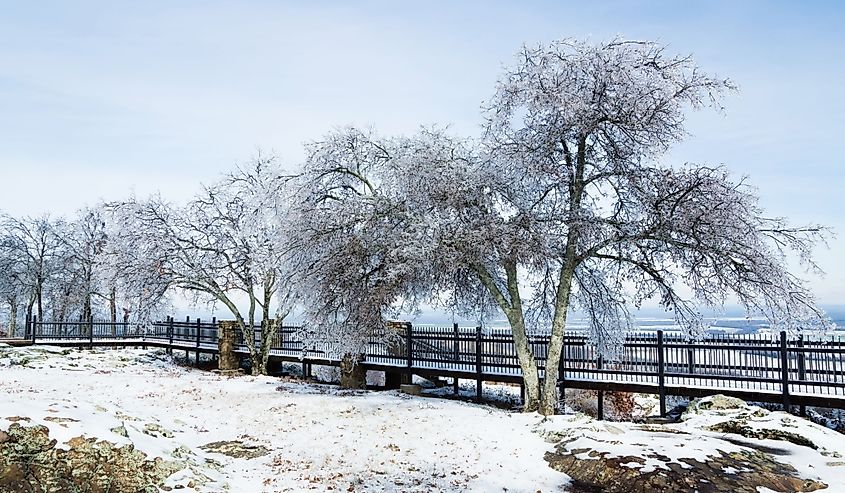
(169, 335)
(784, 372)
(661, 374)
(600, 402)
(478, 369)
(802, 372)
(393, 379)
(457, 356)
(199, 332)
(408, 375)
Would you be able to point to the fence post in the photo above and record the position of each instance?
(478, 372)
(784, 371)
(409, 352)
(91, 333)
(561, 372)
(199, 330)
(802, 372)
(690, 357)
(457, 346)
(32, 327)
(600, 404)
(26, 329)
(170, 335)
(661, 377)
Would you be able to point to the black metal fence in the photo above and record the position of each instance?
(808, 369)
(85, 330)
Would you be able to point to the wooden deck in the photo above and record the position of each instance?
(15, 342)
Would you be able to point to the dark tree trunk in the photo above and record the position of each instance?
(38, 296)
(352, 373)
(28, 328)
(113, 304)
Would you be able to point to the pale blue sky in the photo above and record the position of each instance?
(98, 99)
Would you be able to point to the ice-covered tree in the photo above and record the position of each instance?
(356, 255)
(83, 240)
(130, 266)
(224, 246)
(13, 292)
(583, 212)
(35, 246)
(563, 204)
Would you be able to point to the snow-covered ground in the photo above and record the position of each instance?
(321, 437)
(324, 439)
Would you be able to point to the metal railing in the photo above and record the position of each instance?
(768, 367)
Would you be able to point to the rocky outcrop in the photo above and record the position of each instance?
(716, 402)
(738, 472)
(740, 427)
(30, 462)
(607, 459)
(236, 449)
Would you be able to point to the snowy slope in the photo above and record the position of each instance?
(320, 437)
(324, 439)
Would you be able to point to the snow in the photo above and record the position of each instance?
(323, 438)
(319, 435)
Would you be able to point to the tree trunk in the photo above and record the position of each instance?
(249, 339)
(549, 399)
(548, 404)
(512, 308)
(113, 304)
(62, 314)
(525, 355)
(88, 315)
(524, 352)
(352, 372)
(38, 296)
(260, 355)
(268, 328)
(13, 317)
(29, 307)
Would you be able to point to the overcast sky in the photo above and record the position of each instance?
(102, 99)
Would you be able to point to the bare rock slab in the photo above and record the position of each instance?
(410, 388)
(738, 472)
(236, 449)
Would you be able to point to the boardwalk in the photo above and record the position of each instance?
(803, 371)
